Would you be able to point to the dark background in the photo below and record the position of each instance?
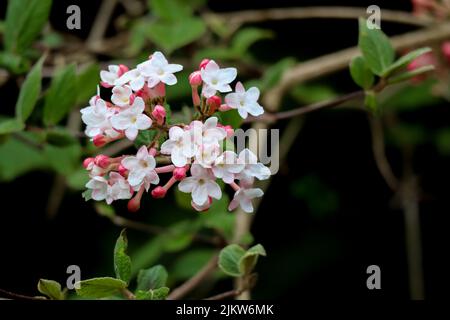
(309, 256)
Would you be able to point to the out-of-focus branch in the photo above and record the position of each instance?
(19, 296)
(330, 63)
(193, 282)
(273, 117)
(379, 153)
(101, 22)
(225, 295)
(236, 19)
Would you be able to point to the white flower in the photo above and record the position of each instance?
(97, 118)
(109, 77)
(113, 189)
(202, 207)
(132, 119)
(179, 146)
(206, 133)
(157, 69)
(216, 79)
(141, 169)
(243, 197)
(201, 184)
(121, 96)
(244, 101)
(226, 166)
(252, 168)
(134, 78)
(207, 154)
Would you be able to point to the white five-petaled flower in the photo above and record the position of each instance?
(244, 101)
(201, 184)
(132, 119)
(207, 154)
(252, 168)
(179, 146)
(206, 133)
(226, 166)
(109, 77)
(113, 189)
(216, 79)
(243, 197)
(132, 77)
(121, 96)
(157, 69)
(97, 118)
(141, 169)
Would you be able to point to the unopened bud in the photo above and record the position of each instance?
(195, 79)
(214, 103)
(122, 170)
(203, 63)
(159, 113)
(102, 161)
(87, 162)
(159, 192)
(179, 173)
(99, 140)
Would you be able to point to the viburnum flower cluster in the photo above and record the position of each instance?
(196, 152)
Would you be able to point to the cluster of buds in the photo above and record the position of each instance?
(435, 8)
(198, 152)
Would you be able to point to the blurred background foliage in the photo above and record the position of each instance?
(327, 214)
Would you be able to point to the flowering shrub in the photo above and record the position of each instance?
(138, 105)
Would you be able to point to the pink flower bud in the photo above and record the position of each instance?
(195, 79)
(203, 63)
(214, 103)
(230, 131)
(134, 204)
(122, 69)
(122, 170)
(446, 50)
(159, 113)
(159, 192)
(99, 140)
(179, 173)
(224, 107)
(105, 84)
(102, 161)
(87, 162)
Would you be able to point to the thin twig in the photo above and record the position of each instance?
(101, 22)
(379, 153)
(193, 282)
(127, 294)
(236, 19)
(19, 296)
(56, 195)
(330, 63)
(273, 117)
(225, 295)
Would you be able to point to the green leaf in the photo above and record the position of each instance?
(64, 160)
(153, 278)
(51, 289)
(405, 60)
(24, 22)
(229, 260)
(187, 264)
(376, 48)
(407, 134)
(99, 287)
(122, 262)
(60, 137)
(29, 92)
(8, 125)
(14, 62)
(156, 294)
(173, 35)
(410, 74)
(78, 179)
(171, 10)
(248, 262)
(61, 96)
(361, 73)
(87, 195)
(87, 81)
(232, 118)
(17, 158)
(144, 138)
(246, 37)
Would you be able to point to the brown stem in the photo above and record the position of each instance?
(18, 296)
(193, 282)
(272, 117)
(379, 153)
(102, 18)
(127, 294)
(225, 295)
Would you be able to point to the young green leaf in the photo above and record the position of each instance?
(375, 47)
(229, 259)
(8, 125)
(153, 278)
(122, 262)
(29, 92)
(410, 74)
(361, 73)
(61, 96)
(155, 294)
(99, 287)
(405, 60)
(246, 37)
(51, 289)
(24, 22)
(87, 81)
(248, 262)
